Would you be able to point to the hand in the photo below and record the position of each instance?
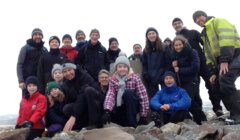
(22, 85)
(26, 124)
(17, 126)
(143, 121)
(106, 117)
(69, 124)
(176, 69)
(165, 107)
(175, 63)
(212, 79)
(223, 68)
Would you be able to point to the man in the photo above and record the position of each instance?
(29, 56)
(80, 37)
(194, 39)
(222, 51)
(137, 52)
(67, 48)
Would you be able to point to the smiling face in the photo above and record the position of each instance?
(152, 36)
(80, 36)
(54, 92)
(32, 88)
(169, 81)
(178, 45)
(122, 69)
(94, 36)
(54, 44)
(69, 73)
(114, 45)
(178, 26)
(103, 79)
(37, 37)
(58, 76)
(137, 49)
(67, 41)
(201, 20)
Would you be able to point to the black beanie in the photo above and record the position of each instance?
(176, 19)
(37, 30)
(32, 80)
(198, 13)
(151, 29)
(112, 39)
(67, 36)
(54, 37)
(169, 73)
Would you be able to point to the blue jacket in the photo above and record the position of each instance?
(175, 96)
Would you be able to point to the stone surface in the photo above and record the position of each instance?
(15, 134)
(175, 128)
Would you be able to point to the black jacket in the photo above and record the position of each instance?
(113, 55)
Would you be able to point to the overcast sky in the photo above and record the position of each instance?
(125, 20)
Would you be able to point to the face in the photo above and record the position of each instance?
(137, 49)
(58, 76)
(32, 88)
(152, 36)
(103, 79)
(67, 41)
(54, 44)
(114, 45)
(54, 92)
(178, 45)
(69, 73)
(201, 20)
(80, 37)
(168, 43)
(37, 37)
(177, 25)
(122, 69)
(169, 81)
(94, 38)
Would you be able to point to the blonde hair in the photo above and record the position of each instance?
(59, 98)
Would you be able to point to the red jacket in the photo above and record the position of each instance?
(33, 110)
(70, 52)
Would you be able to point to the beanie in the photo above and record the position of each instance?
(32, 80)
(67, 36)
(68, 65)
(79, 31)
(56, 67)
(112, 39)
(176, 19)
(122, 60)
(52, 85)
(198, 13)
(169, 73)
(167, 39)
(54, 37)
(95, 31)
(151, 29)
(37, 30)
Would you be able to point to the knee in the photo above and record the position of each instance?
(130, 95)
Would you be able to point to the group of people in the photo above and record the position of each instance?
(71, 88)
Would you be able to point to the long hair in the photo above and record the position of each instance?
(180, 38)
(52, 99)
(158, 43)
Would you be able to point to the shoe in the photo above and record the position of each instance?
(218, 113)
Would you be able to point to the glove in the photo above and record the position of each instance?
(17, 126)
(143, 121)
(106, 117)
(26, 124)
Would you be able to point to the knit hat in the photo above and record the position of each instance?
(198, 13)
(169, 73)
(151, 29)
(95, 31)
(68, 65)
(67, 36)
(122, 60)
(54, 37)
(52, 85)
(79, 31)
(176, 19)
(112, 39)
(56, 67)
(167, 39)
(32, 80)
(37, 30)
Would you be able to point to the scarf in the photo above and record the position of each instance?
(121, 88)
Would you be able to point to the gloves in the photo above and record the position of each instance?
(143, 121)
(26, 124)
(17, 126)
(106, 117)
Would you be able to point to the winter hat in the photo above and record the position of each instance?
(167, 39)
(67, 36)
(112, 39)
(95, 31)
(54, 37)
(37, 30)
(176, 19)
(56, 67)
(151, 29)
(198, 13)
(52, 85)
(169, 73)
(68, 65)
(79, 31)
(122, 59)
(32, 80)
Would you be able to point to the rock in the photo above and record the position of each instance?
(175, 128)
(15, 134)
(231, 136)
(144, 128)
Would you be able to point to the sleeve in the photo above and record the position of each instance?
(183, 103)
(19, 119)
(53, 117)
(20, 64)
(144, 62)
(40, 110)
(80, 57)
(107, 60)
(155, 102)
(109, 102)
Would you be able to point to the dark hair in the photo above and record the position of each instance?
(158, 41)
(176, 19)
(112, 39)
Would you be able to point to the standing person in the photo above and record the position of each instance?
(153, 61)
(137, 52)
(47, 61)
(67, 48)
(170, 104)
(194, 39)
(81, 42)
(222, 50)
(167, 42)
(32, 109)
(29, 57)
(126, 97)
(94, 56)
(186, 65)
(113, 50)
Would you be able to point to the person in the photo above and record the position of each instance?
(137, 52)
(113, 50)
(32, 109)
(67, 48)
(47, 61)
(153, 61)
(55, 118)
(57, 74)
(194, 39)
(222, 49)
(29, 57)
(185, 62)
(81, 42)
(82, 103)
(171, 103)
(167, 42)
(125, 97)
(94, 56)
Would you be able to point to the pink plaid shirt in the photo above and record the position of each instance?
(133, 83)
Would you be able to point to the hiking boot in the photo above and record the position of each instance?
(218, 112)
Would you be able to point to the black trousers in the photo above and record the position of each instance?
(34, 133)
